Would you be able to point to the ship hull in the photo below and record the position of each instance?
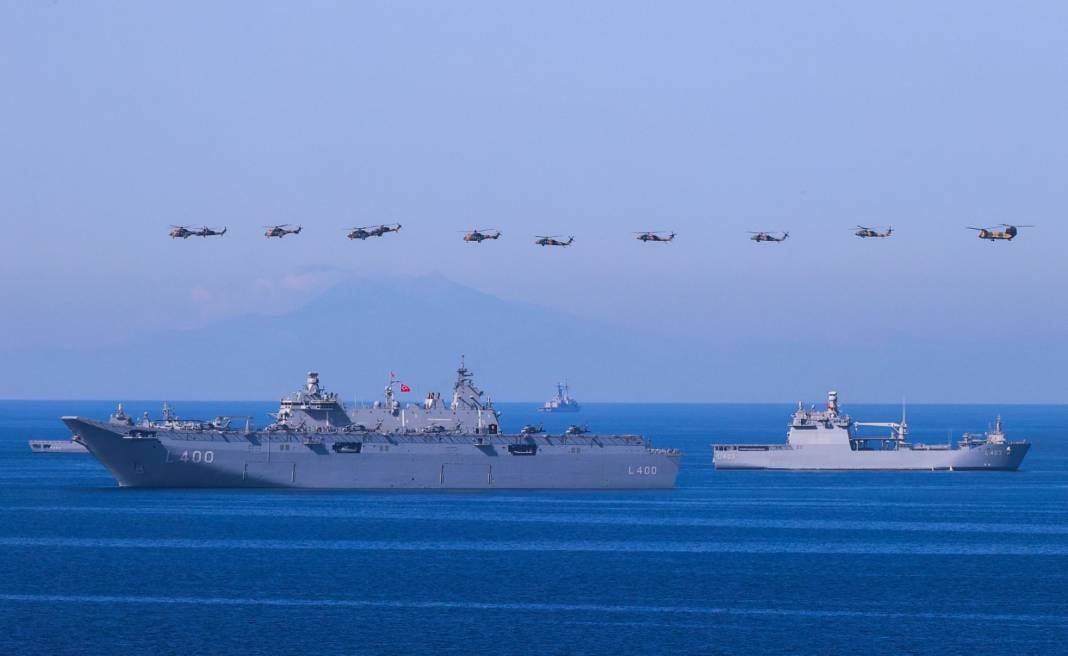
(338, 461)
(814, 457)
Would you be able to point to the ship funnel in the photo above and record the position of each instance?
(313, 382)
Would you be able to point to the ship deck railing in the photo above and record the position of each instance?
(752, 447)
(313, 436)
(666, 452)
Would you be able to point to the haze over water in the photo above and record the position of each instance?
(591, 119)
(728, 563)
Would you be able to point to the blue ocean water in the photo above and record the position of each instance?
(727, 563)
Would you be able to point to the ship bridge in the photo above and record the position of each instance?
(313, 403)
(812, 426)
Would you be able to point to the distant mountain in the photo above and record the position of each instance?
(357, 331)
(354, 334)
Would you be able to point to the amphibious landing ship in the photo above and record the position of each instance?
(315, 441)
(831, 440)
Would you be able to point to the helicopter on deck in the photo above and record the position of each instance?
(373, 231)
(864, 232)
(1007, 234)
(659, 235)
(282, 230)
(553, 240)
(768, 236)
(478, 235)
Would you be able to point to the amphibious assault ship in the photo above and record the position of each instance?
(315, 441)
(831, 440)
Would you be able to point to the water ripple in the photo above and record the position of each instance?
(504, 606)
(502, 546)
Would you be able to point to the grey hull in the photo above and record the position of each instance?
(1007, 456)
(225, 458)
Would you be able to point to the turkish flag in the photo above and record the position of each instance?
(405, 388)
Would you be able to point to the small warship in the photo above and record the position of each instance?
(314, 441)
(561, 402)
(56, 446)
(830, 440)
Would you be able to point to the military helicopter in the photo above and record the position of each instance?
(478, 235)
(282, 230)
(655, 236)
(553, 240)
(185, 233)
(373, 231)
(1007, 234)
(863, 232)
(180, 232)
(769, 236)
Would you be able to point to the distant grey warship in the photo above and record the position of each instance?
(562, 402)
(831, 440)
(56, 446)
(316, 442)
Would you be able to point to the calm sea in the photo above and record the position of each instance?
(727, 563)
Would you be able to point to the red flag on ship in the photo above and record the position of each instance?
(405, 388)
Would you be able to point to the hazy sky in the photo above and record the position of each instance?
(586, 118)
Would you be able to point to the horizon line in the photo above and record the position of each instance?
(540, 403)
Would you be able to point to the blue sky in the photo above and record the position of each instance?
(592, 119)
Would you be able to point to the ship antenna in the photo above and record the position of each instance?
(904, 420)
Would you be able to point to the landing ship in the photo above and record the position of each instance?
(828, 439)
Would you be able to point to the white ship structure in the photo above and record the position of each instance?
(831, 440)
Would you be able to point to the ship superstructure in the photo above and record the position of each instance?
(315, 441)
(831, 440)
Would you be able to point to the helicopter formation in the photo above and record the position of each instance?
(1006, 232)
